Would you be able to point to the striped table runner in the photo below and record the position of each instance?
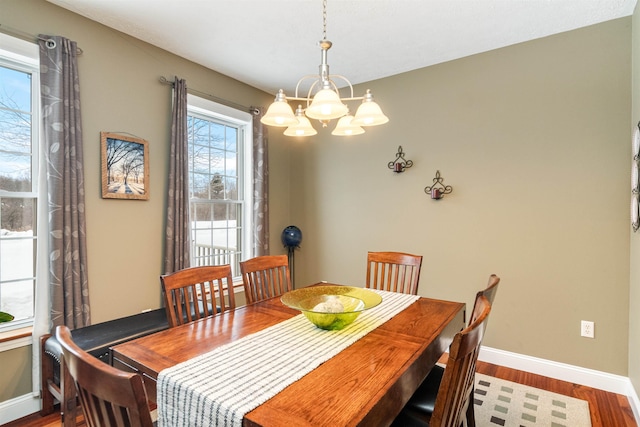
(219, 387)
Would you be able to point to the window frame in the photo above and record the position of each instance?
(205, 108)
(24, 57)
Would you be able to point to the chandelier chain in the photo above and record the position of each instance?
(324, 19)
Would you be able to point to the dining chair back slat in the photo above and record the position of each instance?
(265, 277)
(393, 271)
(197, 292)
(108, 396)
(454, 394)
(422, 403)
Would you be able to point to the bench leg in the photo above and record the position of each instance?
(46, 378)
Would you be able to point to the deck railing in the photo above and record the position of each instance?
(216, 255)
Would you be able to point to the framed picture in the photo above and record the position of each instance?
(125, 167)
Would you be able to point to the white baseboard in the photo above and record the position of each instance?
(18, 407)
(562, 371)
(635, 403)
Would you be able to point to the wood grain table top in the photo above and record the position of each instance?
(366, 384)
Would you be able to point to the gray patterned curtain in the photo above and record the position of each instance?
(260, 185)
(60, 97)
(177, 236)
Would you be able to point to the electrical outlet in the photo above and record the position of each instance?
(587, 329)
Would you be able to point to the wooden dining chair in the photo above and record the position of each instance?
(393, 271)
(423, 400)
(108, 396)
(454, 393)
(489, 293)
(265, 277)
(197, 292)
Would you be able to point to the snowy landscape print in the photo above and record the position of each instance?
(125, 167)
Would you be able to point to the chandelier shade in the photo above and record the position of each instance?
(302, 127)
(345, 127)
(369, 113)
(279, 113)
(325, 104)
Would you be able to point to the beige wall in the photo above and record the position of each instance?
(15, 375)
(534, 139)
(120, 92)
(634, 295)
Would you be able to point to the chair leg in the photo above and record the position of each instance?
(46, 376)
(68, 404)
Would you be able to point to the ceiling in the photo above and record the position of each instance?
(270, 44)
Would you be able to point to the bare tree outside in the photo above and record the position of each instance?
(15, 155)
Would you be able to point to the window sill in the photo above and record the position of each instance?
(15, 338)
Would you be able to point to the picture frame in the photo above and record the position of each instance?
(125, 167)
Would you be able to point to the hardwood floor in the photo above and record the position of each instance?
(36, 420)
(607, 409)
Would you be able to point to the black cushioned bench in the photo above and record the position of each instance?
(96, 340)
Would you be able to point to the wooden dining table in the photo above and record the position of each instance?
(367, 384)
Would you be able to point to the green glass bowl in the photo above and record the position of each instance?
(331, 307)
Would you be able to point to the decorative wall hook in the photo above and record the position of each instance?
(400, 164)
(438, 189)
(635, 179)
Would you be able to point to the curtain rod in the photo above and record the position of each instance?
(30, 37)
(226, 102)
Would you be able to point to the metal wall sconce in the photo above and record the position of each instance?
(400, 164)
(438, 189)
(635, 179)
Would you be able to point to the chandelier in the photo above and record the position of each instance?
(323, 102)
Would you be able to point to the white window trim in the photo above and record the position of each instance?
(20, 51)
(15, 338)
(210, 108)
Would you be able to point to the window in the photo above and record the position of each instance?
(219, 183)
(19, 136)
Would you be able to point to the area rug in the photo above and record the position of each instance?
(505, 403)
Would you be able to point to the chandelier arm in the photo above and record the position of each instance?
(293, 98)
(346, 80)
(309, 97)
(330, 80)
(309, 76)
